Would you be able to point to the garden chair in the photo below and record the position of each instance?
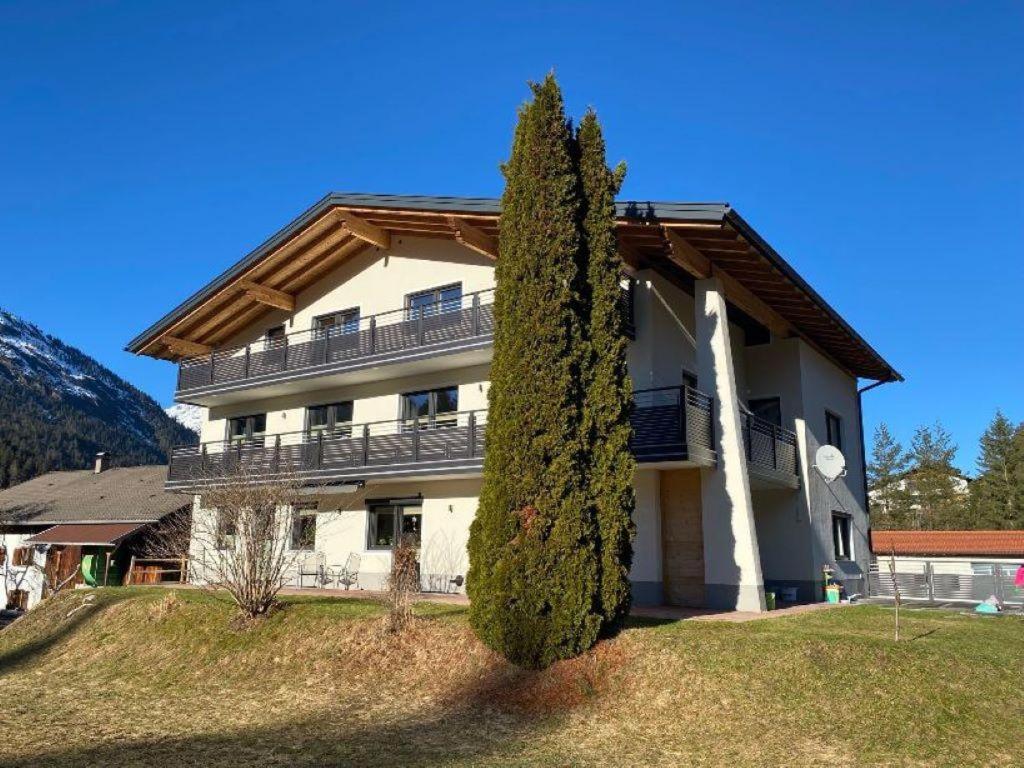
(347, 574)
(312, 564)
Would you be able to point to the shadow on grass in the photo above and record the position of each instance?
(19, 654)
(488, 719)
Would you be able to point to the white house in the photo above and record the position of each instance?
(353, 348)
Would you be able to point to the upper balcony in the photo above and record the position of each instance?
(409, 341)
(672, 426)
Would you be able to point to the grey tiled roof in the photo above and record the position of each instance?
(127, 494)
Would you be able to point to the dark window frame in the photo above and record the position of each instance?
(842, 536)
(303, 513)
(351, 318)
(250, 435)
(407, 419)
(754, 402)
(689, 379)
(438, 302)
(333, 426)
(399, 513)
(835, 440)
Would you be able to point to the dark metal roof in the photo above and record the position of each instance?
(86, 534)
(128, 494)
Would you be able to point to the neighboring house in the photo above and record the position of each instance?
(50, 523)
(961, 484)
(353, 347)
(967, 566)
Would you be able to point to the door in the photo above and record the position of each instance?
(682, 538)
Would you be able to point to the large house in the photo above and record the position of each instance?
(352, 348)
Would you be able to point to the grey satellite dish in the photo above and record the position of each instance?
(830, 462)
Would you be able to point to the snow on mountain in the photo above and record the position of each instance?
(189, 416)
(58, 406)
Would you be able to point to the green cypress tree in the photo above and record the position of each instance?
(533, 574)
(608, 389)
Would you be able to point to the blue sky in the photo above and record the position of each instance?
(144, 147)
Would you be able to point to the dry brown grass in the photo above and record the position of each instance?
(146, 677)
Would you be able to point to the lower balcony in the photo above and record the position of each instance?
(671, 425)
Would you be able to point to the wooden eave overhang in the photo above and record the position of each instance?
(683, 241)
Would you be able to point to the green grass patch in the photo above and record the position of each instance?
(146, 676)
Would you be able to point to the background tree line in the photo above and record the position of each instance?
(920, 489)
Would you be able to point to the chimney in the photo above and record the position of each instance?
(102, 462)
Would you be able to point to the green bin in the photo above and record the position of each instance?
(769, 600)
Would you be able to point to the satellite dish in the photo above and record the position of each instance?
(830, 462)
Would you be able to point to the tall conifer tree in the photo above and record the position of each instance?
(533, 547)
(890, 499)
(608, 390)
(997, 495)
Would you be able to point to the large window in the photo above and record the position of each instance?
(330, 419)
(767, 408)
(430, 407)
(389, 521)
(841, 541)
(303, 534)
(345, 321)
(247, 429)
(434, 301)
(833, 430)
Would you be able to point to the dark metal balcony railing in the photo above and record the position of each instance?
(388, 333)
(768, 445)
(669, 424)
(673, 423)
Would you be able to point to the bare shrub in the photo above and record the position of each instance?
(403, 583)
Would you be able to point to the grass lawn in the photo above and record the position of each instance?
(147, 677)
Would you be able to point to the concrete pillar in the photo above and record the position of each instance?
(732, 563)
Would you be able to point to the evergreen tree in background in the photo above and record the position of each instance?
(608, 389)
(937, 502)
(890, 501)
(997, 495)
(533, 546)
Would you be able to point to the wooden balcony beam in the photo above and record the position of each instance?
(184, 346)
(267, 295)
(686, 256)
(473, 238)
(364, 230)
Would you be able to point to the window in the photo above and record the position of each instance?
(431, 407)
(841, 536)
(833, 430)
(434, 301)
(767, 408)
(689, 379)
(626, 296)
(389, 521)
(275, 334)
(303, 526)
(346, 321)
(331, 419)
(226, 530)
(247, 429)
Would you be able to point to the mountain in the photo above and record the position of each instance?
(59, 407)
(187, 415)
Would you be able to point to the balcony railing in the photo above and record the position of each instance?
(394, 334)
(770, 448)
(673, 424)
(669, 424)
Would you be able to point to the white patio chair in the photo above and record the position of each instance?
(312, 564)
(347, 574)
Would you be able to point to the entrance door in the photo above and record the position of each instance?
(682, 538)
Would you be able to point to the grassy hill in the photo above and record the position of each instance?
(148, 677)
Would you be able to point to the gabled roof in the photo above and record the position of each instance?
(128, 494)
(682, 240)
(949, 543)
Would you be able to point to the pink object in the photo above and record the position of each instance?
(1019, 578)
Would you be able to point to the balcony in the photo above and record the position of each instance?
(671, 426)
(771, 451)
(443, 334)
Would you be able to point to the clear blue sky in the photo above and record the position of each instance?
(878, 146)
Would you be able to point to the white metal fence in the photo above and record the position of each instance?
(946, 581)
